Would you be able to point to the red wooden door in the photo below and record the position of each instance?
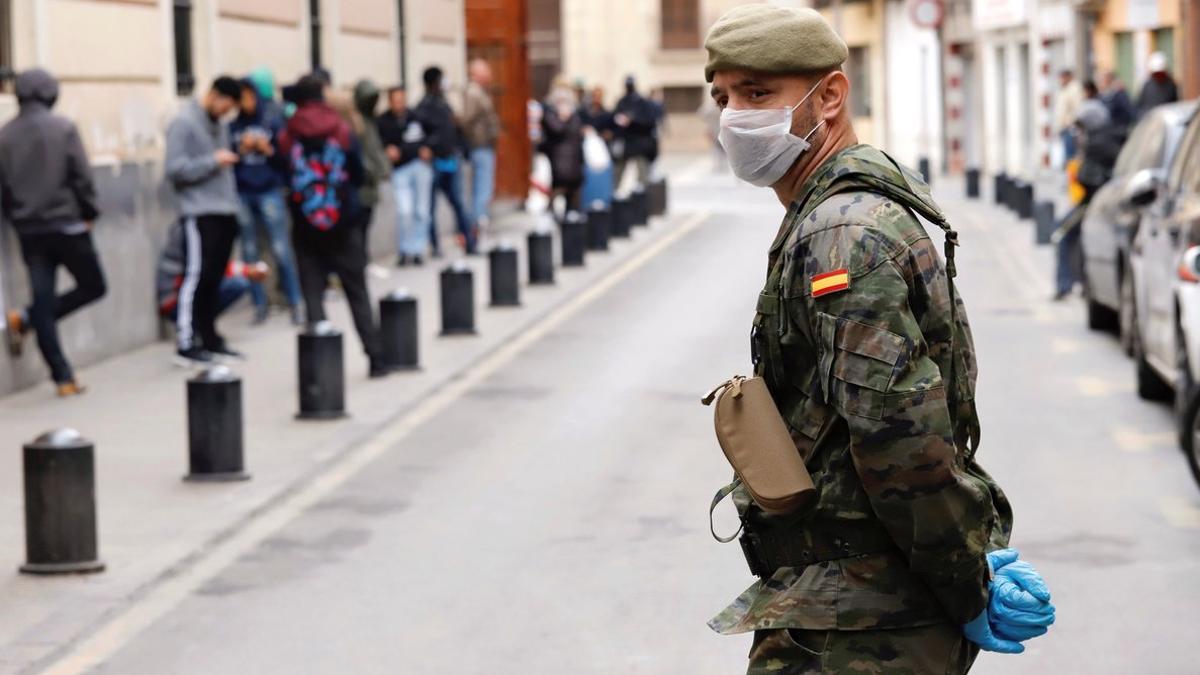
(496, 33)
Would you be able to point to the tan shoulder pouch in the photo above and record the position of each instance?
(756, 441)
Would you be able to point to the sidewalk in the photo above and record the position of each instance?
(150, 522)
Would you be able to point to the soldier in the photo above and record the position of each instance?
(868, 354)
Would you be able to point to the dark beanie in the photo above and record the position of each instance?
(227, 86)
(310, 88)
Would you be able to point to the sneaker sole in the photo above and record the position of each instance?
(184, 362)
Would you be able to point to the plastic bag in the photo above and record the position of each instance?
(595, 153)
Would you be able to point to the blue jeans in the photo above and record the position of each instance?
(483, 182)
(449, 183)
(597, 186)
(412, 185)
(1066, 275)
(1068, 143)
(268, 210)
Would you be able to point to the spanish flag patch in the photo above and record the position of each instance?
(830, 282)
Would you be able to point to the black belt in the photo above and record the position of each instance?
(769, 548)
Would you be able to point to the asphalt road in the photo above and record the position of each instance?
(549, 516)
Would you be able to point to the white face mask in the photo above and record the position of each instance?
(760, 144)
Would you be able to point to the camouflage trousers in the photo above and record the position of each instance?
(927, 650)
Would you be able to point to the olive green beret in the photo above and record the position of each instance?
(772, 39)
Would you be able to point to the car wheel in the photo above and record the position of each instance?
(1189, 436)
(1149, 385)
(1100, 317)
(1184, 388)
(1127, 314)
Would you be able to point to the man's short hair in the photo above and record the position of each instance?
(432, 76)
(310, 88)
(227, 86)
(399, 88)
(1090, 88)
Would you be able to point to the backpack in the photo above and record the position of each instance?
(319, 181)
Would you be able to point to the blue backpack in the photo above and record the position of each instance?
(319, 181)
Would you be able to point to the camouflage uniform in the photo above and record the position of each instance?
(877, 383)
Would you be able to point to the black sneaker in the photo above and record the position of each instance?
(416, 260)
(224, 353)
(402, 261)
(193, 357)
(378, 370)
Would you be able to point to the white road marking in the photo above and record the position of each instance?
(130, 621)
(1065, 346)
(1179, 512)
(1133, 440)
(1089, 385)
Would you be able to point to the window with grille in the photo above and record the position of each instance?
(680, 24)
(185, 77)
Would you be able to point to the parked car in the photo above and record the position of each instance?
(1165, 262)
(1111, 222)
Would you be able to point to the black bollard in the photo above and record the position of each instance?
(502, 272)
(641, 208)
(657, 194)
(322, 373)
(599, 222)
(972, 183)
(541, 258)
(60, 505)
(1043, 216)
(923, 169)
(574, 239)
(214, 405)
(622, 218)
(999, 189)
(458, 300)
(398, 328)
(1022, 192)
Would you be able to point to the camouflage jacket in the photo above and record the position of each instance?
(875, 375)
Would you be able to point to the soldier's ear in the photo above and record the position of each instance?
(835, 95)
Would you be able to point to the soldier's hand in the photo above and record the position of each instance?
(979, 631)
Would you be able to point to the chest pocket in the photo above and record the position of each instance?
(858, 370)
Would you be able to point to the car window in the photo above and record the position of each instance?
(1127, 160)
(1187, 159)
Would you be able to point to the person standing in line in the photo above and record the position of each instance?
(634, 119)
(260, 193)
(47, 194)
(325, 174)
(597, 122)
(376, 167)
(1116, 99)
(199, 166)
(403, 137)
(1159, 88)
(563, 143)
(481, 127)
(1066, 107)
(442, 137)
(1101, 142)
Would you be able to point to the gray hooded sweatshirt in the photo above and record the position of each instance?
(45, 178)
(204, 188)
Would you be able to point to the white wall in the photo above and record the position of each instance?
(913, 80)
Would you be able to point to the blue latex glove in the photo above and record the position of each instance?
(1018, 605)
(1011, 604)
(980, 632)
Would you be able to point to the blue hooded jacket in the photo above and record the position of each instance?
(257, 173)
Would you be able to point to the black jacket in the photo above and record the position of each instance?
(441, 127)
(45, 178)
(639, 134)
(406, 132)
(1156, 92)
(1100, 149)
